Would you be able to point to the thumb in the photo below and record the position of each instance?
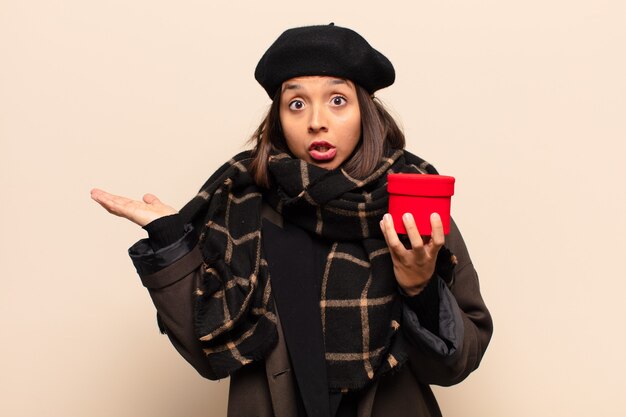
(151, 199)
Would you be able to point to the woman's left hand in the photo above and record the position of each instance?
(415, 266)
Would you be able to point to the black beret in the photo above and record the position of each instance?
(323, 50)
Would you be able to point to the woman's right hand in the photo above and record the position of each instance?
(139, 212)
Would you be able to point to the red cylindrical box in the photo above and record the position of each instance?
(420, 195)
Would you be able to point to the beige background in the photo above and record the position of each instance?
(523, 101)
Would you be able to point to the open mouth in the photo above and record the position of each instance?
(322, 151)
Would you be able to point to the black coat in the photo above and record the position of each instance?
(269, 388)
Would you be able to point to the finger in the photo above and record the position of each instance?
(437, 235)
(391, 237)
(100, 196)
(157, 205)
(112, 203)
(116, 201)
(383, 227)
(412, 232)
(95, 193)
(151, 199)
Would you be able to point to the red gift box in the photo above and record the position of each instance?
(420, 195)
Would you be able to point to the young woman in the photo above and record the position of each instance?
(285, 272)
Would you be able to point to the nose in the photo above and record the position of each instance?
(317, 119)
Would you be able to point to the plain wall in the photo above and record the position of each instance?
(524, 102)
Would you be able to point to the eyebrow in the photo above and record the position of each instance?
(294, 86)
(291, 87)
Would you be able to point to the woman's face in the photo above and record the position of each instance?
(321, 119)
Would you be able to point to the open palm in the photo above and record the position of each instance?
(139, 212)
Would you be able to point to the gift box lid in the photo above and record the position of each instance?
(420, 185)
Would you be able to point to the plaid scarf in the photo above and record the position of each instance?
(360, 306)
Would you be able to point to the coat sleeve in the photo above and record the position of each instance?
(171, 275)
(465, 325)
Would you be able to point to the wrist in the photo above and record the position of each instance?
(165, 230)
(413, 290)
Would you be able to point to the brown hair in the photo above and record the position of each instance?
(379, 132)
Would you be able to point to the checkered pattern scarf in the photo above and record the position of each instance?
(360, 308)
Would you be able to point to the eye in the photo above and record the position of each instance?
(296, 105)
(339, 100)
